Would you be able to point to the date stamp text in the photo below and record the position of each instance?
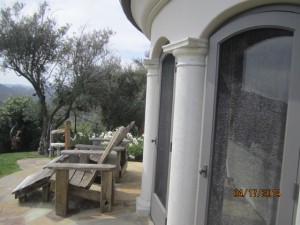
(257, 193)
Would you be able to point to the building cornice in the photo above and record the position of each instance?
(126, 5)
(142, 13)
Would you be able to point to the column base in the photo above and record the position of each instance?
(142, 207)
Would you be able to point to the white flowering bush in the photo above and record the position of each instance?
(107, 134)
(135, 147)
(80, 138)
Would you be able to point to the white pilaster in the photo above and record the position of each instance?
(150, 131)
(190, 57)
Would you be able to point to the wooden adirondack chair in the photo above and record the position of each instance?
(66, 131)
(77, 178)
(118, 156)
(37, 180)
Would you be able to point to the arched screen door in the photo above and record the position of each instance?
(252, 103)
(159, 198)
(254, 150)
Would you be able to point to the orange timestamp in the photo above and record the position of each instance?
(255, 193)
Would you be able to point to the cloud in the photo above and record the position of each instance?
(95, 14)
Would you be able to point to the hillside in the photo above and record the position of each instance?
(9, 90)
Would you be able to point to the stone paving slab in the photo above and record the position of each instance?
(85, 212)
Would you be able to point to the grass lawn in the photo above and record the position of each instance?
(8, 161)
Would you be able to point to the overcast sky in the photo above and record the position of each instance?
(128, 42)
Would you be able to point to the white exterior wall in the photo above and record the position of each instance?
(177, 20)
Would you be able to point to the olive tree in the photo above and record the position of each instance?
(36, 48)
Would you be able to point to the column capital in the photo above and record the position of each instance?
(150, 63)
(151, 66)
(189, 52)
(188, 46)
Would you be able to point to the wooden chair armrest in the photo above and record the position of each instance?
(119, 148)
(57, 144)
(125, 141)
(82, 152)
(80, 166)
(95, 147)
(87, 147)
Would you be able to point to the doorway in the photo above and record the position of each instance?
(163, 145)
(252, 118)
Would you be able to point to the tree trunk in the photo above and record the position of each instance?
(45, 136)
(46, 124)
(45, 139)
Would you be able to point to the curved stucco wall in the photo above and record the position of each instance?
(179, 19)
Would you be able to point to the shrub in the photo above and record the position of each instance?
(80, 138)
(135, 149)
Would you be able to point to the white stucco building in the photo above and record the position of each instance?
(222, 124)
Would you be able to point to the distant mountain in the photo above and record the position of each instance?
(9, 90)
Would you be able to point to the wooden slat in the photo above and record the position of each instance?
(46, 192)
(84, 158)
(73, 158)
(96, 147)
(57, 145)
(82, 152)
(77, 177)
(67, 134)
(95, 158)
(83, 193)
(36, 180)
(27, 189)
(116, 139)
(106, 191)
(61, 192)
(80, 166)
(118, 169)
(88, 147)
(71, 174)
(88, 179)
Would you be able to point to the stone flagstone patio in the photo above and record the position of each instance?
(34, 211)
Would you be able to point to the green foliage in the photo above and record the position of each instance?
(81, 138)
(35, 47)
(79, 70)
(135, 149)
(30, 44)
(25, 114)
(8, 161)
(123, 98)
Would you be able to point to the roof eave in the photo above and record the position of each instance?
(126, 5)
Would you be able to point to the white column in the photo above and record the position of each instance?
(150, 133)
(190, 57)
